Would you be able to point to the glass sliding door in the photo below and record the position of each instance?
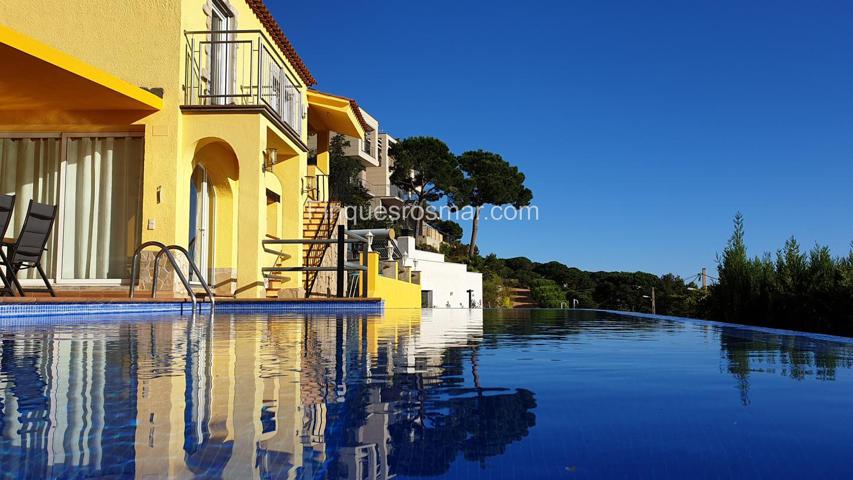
(101, 208)
(30, 170)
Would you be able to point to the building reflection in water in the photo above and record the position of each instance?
(66, 402)
(252, 397)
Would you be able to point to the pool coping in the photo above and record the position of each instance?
(27, 307)
(774, 331)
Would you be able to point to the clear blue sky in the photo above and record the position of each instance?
(642, 127)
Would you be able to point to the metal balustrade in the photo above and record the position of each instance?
(241, 68)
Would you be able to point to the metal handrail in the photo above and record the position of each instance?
(134, 272)
(344, 237)
(260, 33)
(255, 75)
(350, 267)
(326, 231)
(193, 267)
(352, 288)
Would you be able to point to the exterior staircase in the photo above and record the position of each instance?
(520, 298)
(319, 220)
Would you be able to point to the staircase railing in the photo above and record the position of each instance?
(342, 267)
(167, 251)
(318, 250)
(279, 255)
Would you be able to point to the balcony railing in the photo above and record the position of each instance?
(241, 68)
(398, 192)
(362, 180)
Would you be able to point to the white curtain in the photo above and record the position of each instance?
(29, 169)
(101, 208)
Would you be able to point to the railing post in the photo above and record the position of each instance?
(190, 81)
(251, 68)
(260, 66)
(365, 260)
(282, 96)
(341, 273)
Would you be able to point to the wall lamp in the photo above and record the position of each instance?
(270, 158)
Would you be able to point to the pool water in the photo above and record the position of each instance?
(447, 394)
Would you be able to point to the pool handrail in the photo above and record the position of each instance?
(134, 273)
(193, 266)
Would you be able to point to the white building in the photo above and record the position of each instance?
(443, 284)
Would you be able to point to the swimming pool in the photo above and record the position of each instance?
(449, 394)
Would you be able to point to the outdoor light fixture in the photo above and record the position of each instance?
(270, 158)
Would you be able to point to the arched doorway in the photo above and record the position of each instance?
(211, 237)
(201, 242)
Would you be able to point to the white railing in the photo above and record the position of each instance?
(241, 68)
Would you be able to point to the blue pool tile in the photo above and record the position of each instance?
(25, 310)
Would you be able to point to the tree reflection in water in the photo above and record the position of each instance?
(426, 418)
(798, 357)
(477, 422)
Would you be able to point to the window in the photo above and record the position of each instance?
(96, 182)
(273, 205)
(366, 143)
(30, 170)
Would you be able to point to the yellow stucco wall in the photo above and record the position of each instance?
(395, 293)
(246, 137)
(143, 43)
(138, 42)
(135, 41)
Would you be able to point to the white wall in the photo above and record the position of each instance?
(449, 282)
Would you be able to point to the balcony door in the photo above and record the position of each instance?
(221, 21)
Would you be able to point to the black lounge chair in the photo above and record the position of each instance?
(7, 204)
(28, 249)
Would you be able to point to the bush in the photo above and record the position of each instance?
(547, 293)
(494, 292)
(799, 291)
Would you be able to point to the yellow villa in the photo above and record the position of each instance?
(182, 121)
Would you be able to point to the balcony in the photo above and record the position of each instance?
(398, 192)
(241, 70)
(362, 151)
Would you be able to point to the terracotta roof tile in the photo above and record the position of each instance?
(361, 120)
(268, 21)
